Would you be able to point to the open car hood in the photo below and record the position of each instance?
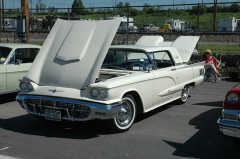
(73, 53)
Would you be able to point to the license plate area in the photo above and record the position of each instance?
(51, 114)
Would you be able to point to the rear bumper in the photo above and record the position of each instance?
(71, 109)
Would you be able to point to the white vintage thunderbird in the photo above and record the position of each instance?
(15, 61)
(78, 76)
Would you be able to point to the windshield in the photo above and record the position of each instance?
(125, 60)
(4, 52)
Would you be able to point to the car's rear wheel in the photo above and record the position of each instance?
(125, 117)
(184, 95)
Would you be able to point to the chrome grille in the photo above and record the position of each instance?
(47, 103)
(75, 110)
(81, 107)
(64, 104)
(33, 101)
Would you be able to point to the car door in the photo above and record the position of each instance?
(165, 78)
(2, 78)
(19, 65)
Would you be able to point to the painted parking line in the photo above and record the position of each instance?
(4, 148)
(7, 157)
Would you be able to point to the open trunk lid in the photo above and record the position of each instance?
(185, 46)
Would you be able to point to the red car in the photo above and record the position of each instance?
(229, 123)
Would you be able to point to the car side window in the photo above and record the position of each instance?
(162, 59)
(24, 55)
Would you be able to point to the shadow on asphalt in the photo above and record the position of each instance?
(153, 112)
(208, 142)
(231, 80)
(30, 124)
(211, 104)
(6, 98)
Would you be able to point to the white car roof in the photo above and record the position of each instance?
(142, 48)
(19, 45)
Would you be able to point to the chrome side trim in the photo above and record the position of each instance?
(170, 92)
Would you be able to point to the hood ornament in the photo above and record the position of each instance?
(54, 90)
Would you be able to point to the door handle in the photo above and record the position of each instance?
(174, 69)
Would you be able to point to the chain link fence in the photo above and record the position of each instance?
(218, 25)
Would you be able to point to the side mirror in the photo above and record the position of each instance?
(149, 67)
(19, 61)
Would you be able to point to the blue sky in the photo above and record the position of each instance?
(12, 4)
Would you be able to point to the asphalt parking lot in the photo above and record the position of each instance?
(171, 131)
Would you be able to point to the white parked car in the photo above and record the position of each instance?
(15, 61)
(78, 76)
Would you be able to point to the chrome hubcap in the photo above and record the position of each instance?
(185, 93)
(125, 114)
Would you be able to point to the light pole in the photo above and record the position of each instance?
(173, 4)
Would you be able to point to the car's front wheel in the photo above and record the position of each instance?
(125, 117)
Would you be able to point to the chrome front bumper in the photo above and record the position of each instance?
(71, 109)
(229, 125)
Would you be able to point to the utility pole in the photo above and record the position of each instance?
(215, 15)
(1, 17)
(25, 12)
(2, 14)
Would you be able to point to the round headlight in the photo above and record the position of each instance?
(94, 92)
(103, 93)
(23, 85)
(232, 98)
(29, 86)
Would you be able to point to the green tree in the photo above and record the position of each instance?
(127, 4)
(147, 9)
(52, 9)
(134, 12)
(195, 11)
(40, 7)
(234, 8)
(78, 7)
